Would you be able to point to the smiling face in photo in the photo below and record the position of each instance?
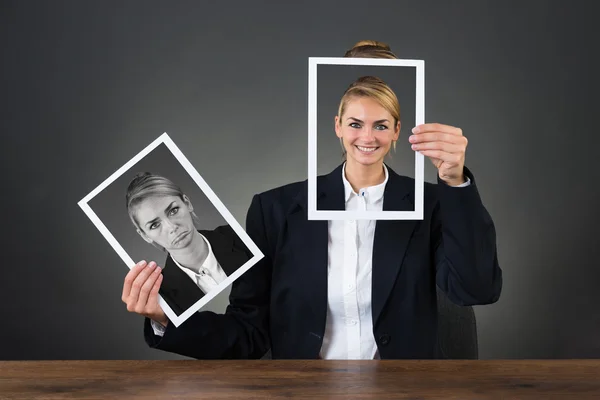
(367, 130)
(166, 221)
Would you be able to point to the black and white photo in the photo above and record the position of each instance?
(158, 207)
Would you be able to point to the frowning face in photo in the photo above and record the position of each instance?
(166, 221)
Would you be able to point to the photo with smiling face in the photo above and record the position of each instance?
(363, 115)
(157, 210)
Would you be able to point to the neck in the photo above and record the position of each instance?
(362, 176)
(192, 256)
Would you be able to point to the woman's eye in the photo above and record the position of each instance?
(355, 125)
(381, 127)
(174, 211)
(154, 225)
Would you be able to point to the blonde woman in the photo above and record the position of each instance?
(354, 289)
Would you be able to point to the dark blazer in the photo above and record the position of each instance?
(281, 303)
(179, 291)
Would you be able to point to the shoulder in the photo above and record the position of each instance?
(406, 185)
(285, 194)
(220, 232)
(275, 203)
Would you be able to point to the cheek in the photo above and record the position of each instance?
(385, 137)
(153, 233)
(350, 135)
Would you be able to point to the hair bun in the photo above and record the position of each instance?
(372, 43)
(370, 49)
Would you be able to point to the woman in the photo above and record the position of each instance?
(352, 289)
(197, 260)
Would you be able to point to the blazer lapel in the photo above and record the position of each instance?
(178, 287)
(390, 241)
(314, 239)
(222, 246)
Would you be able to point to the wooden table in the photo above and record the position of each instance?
(313, 379)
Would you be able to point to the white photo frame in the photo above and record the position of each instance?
(313, 213)
(257, 255)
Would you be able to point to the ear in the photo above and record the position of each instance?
(338, 128)
(188, 203)
(143, 235)
(397, 131)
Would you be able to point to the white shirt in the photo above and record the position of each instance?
(210, 274)
(349, 326)
(349, 323)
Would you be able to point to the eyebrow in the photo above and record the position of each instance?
(169, 207)
(362, 122)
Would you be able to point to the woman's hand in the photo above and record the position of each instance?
(140, 291)
(445, 146)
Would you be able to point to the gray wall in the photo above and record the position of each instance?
(85, 85)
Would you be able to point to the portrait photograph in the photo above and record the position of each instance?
(157, 207)
(394, 86)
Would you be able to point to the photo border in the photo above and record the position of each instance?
(313, 213)
(165, 139)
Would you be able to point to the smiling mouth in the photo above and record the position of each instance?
(181, 236)
(366, 150)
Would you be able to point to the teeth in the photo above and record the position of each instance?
(367, 149)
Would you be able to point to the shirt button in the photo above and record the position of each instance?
(351, 322)
(350, 286)
(385, 339)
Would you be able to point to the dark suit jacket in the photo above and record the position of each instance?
(281, 303)
(179, 291)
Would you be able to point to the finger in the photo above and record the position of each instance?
(438, 137)
(442, 146)
(435, 127)
(130, 277)
(146, 288)
(139, 281)
(452, 158)
(153, 297)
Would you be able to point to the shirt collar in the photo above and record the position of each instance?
(372, 193)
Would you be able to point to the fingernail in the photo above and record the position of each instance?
(415, 130)
(414, 146)
(152, 264)
(411, 138)
(141, 263)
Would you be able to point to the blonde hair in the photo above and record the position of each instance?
(371, 86)
(370, 49)
(145, 185)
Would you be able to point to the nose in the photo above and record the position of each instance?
(368, 133)
(170, 226)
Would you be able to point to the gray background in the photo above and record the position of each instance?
(84, 85)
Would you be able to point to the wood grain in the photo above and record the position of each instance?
(306, 379)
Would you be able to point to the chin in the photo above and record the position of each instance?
(184, 242)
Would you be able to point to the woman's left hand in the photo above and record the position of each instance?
(445, 146)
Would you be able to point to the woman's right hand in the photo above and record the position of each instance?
(140, 291)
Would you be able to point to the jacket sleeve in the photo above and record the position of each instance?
(242, 332)
(464, 243)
